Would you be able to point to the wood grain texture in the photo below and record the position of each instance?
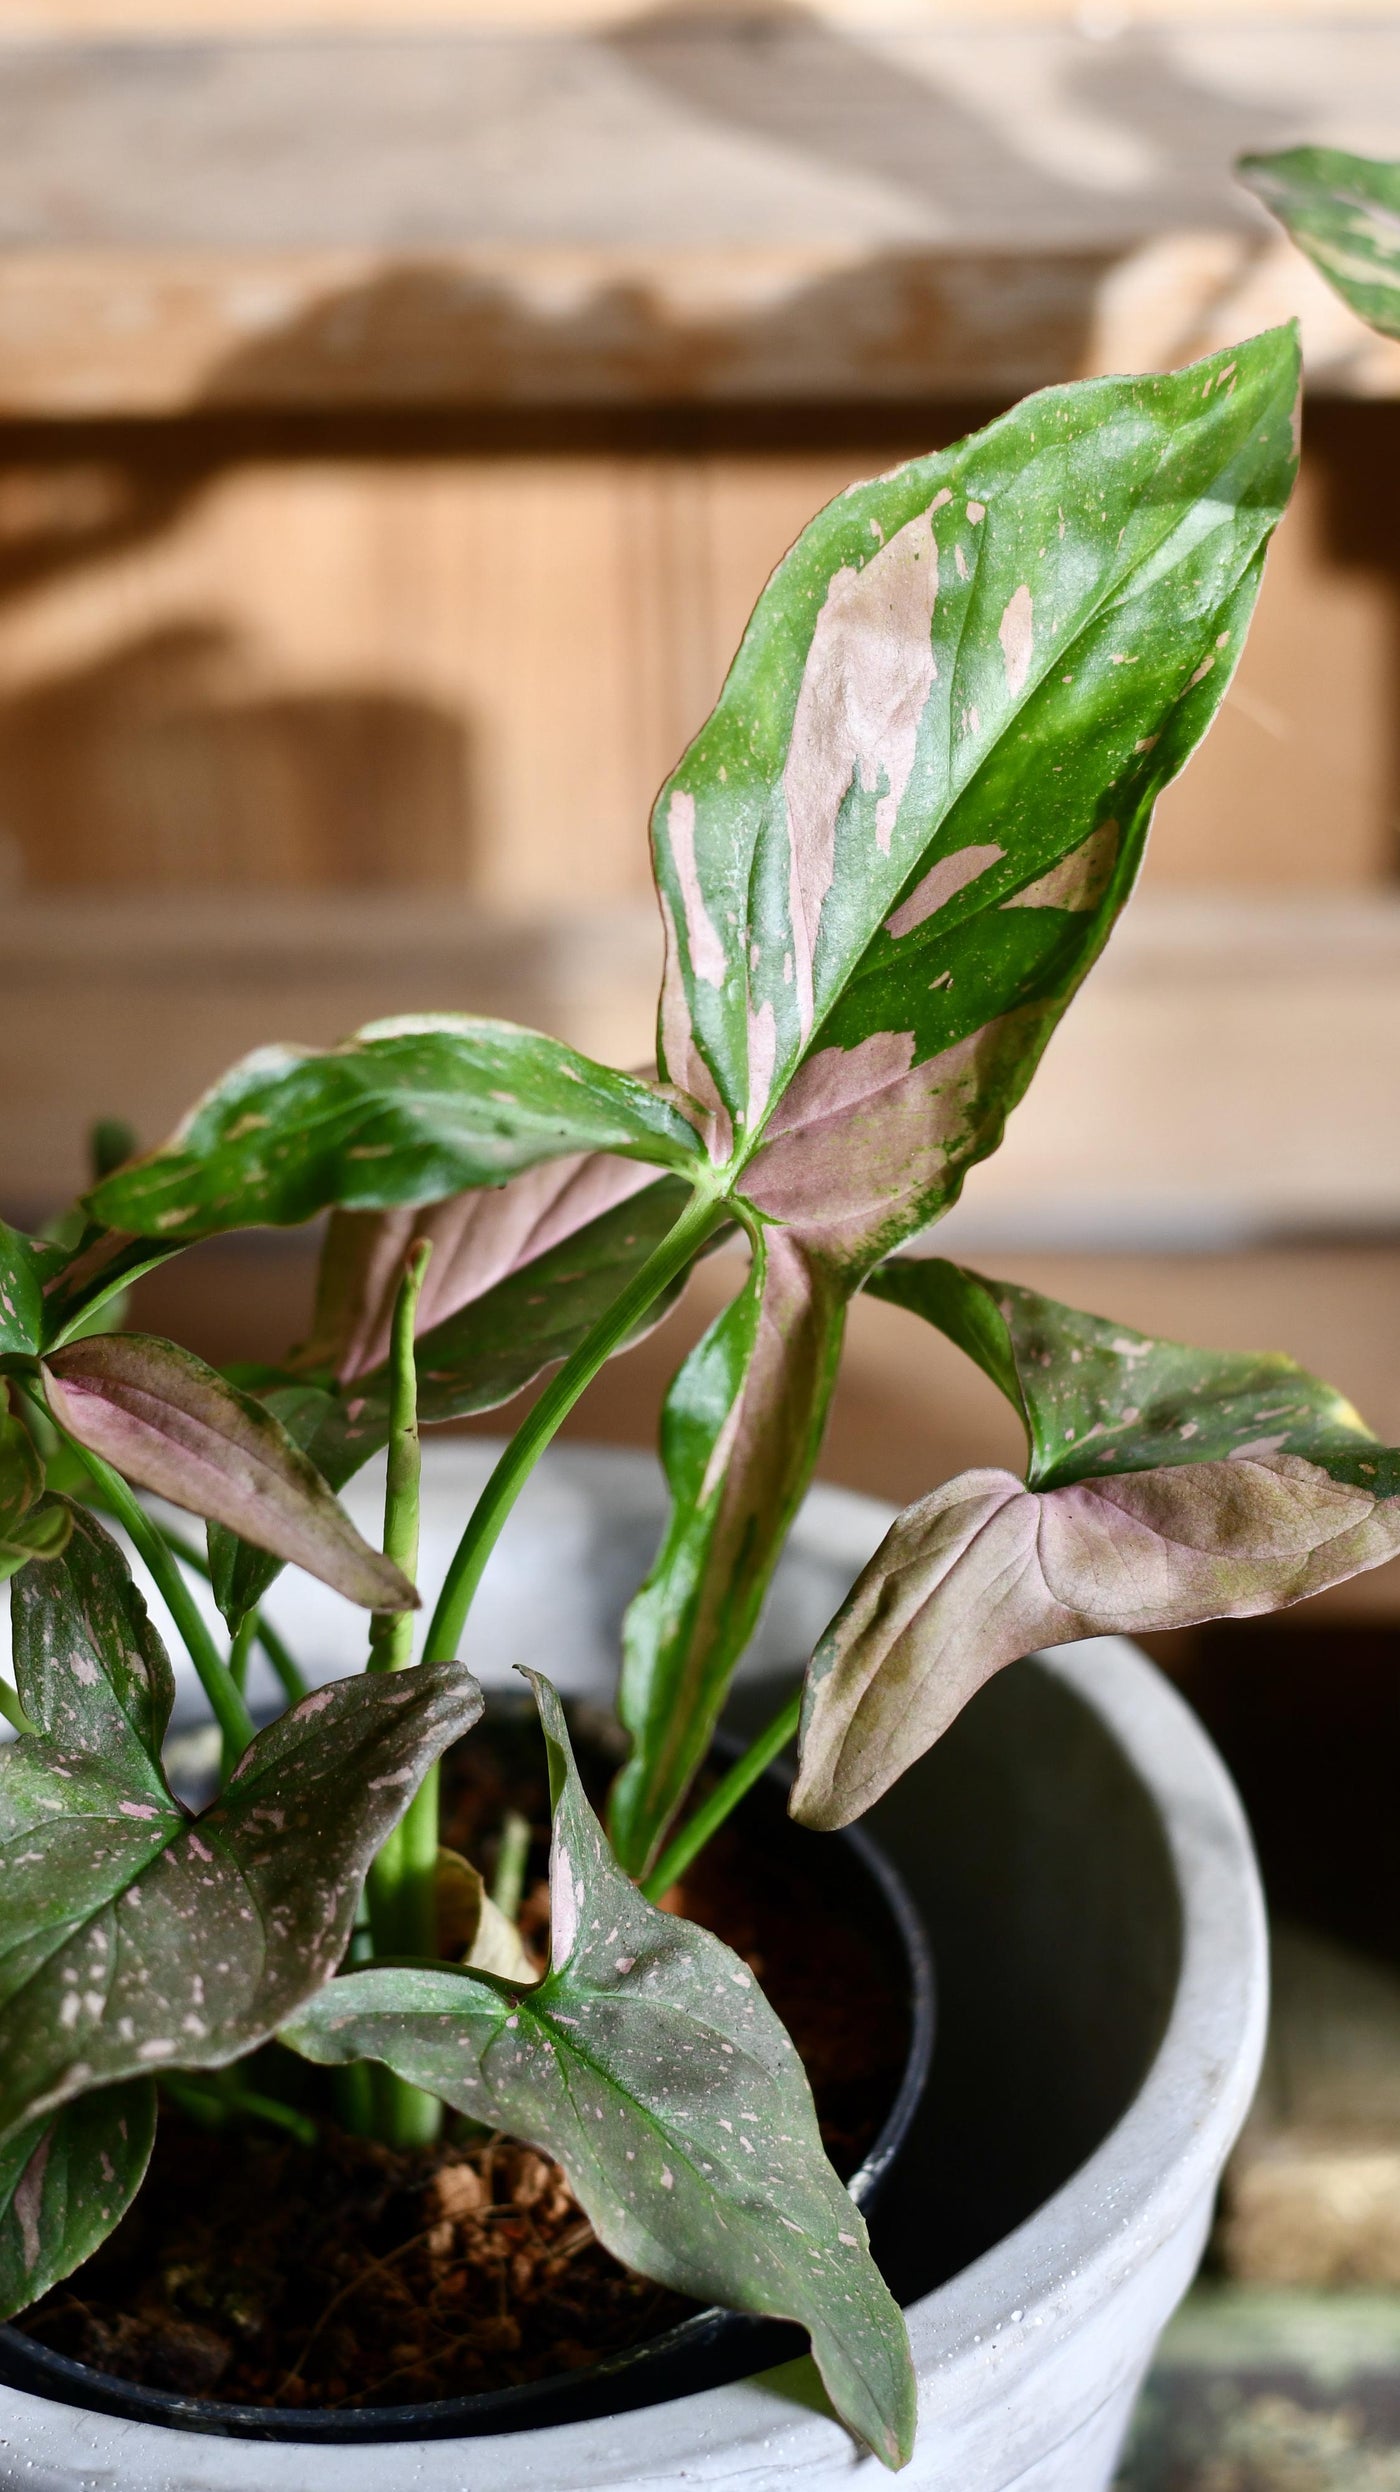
(676, 203)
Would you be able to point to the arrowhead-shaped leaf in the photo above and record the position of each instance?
(650, 2065)
(488, 1349)
(1344, 211)
(479, 1240)
(30, 1526)
(66, 2182)
(406, 1112)
(1166, 1485)
(168, 1422)
(132, 1936)
(886, 864)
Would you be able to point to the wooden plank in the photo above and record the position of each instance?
(1231, 1072)
(709, 207)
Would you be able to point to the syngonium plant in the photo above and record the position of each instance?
(884, 866)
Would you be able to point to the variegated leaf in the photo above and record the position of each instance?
(165, 1420)
(1166, 1486)
(65, 2184)
(1344, 211)
(901, 840)
(27, 1266)
(650, 2065)
(133, 1936)
(406, 1112)
(488, 1349)
(479, 1239)
(741, 1425)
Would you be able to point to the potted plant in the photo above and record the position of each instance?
(884, 867)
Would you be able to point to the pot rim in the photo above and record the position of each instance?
(975, 2337)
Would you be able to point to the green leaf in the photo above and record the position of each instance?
(133, 1937)
(65, 2184)
(165, 1420)
(1165, 1485)
(739, 1437)
(1096, 1397)
(650, 2065)
(1344, 211)
(406, 1112)
(27, 1266)
(890, 857)
(29, 1527)
(473, 1359)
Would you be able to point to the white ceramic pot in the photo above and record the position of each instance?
(1099, 1940)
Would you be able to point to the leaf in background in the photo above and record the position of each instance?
(65, 2184)
(406, 1112)
(482, 1355)
(171, 1424)
(29, 1526)
(1166, 1485)
(1344, 211)
(479, 1239)
(133, 1937)
(650, 2065)
(890, 857)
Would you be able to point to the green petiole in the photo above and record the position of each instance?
(702, 1215)
(401, 1889)
(725, 1797)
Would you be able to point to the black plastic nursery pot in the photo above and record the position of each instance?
(703, 2350)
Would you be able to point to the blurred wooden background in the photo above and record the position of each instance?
(399, 413)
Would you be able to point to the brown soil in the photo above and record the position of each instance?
(259, 2271)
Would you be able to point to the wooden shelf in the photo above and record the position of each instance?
(678, 204)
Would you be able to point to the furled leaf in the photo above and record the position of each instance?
(650, 2065)
(168, 1422)
(132, 1936)
(471, 1929)
(739, 1430)
(890, 857)
(1166, 1486)
(481, 1355)
(65, 2184)
(406, 1112)
(30, 1526)
(1344, 211)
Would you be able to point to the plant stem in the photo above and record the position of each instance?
(11, 1707)
(726, 1795)
(239, 1655)
(512, 1860)
(702, 1214)
(288, 1674)
(401, 1889)
(225, 1698)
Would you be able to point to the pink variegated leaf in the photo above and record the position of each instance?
(479, 1239)
(901, 840)
(742, 1424)
(167, 1422)
(1165, 1485)
(986, 1570)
